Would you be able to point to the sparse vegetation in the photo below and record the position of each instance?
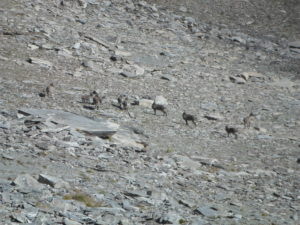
(155, 169)
(182, 221)
(170, 150)
(84, 176)
(84, 198)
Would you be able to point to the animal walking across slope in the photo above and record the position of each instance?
(189, 117)
(231, 130)
(159, 107)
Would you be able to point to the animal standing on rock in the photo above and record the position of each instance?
(159, 107)
(189, 117)
(247, 120)
(231, 130)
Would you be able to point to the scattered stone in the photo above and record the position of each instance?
(237, 80)
(214, 116)
(88, 64)
(261, 129)
(79, 123)
(160, 100)
(139, 70)
(168, 218)
(147, 103)
(7, 157)
(186, 203)
(239, 39)
(168, 77)
(70, 222)
(198, 221)
(247, 75)
(122, 53)
(207, 212)
(126, 140)
(183, 9)
(264, 136)
(42, 145)
(115, 58)
(295, 46)
(40, 62)
(19, 218)
(148, 170)
(27, 181)
(53, 181)
(5, 125)
(128, 74)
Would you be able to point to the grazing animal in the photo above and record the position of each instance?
(231, 130)
(123, 102)
(247, 120)
(159, 107)
(86, 98)
(49, 90)
(94, 93)
(97, 100)
(89, 98)
(189, 117)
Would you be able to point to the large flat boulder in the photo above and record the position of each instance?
(101, 128)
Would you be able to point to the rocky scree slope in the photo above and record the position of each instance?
(155, 169)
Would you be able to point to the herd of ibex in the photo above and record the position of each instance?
(94, 99)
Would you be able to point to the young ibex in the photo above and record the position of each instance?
(189, 117)
(247, 120)
(159, 107)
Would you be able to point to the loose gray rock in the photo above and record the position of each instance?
(237, 80)
(40, 62)
(160, 100)
(5, 125)
(27, 181)
(147, 103)
(214, 116)
(199, 221)
(168, 218)
(88, 64)
(53, 181)
(70, 222)
(128, 74)
(295, 44)
(168, 77)
(78, 123)
(207, 212)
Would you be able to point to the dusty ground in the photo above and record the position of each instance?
(196, 174)
(276, 19)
